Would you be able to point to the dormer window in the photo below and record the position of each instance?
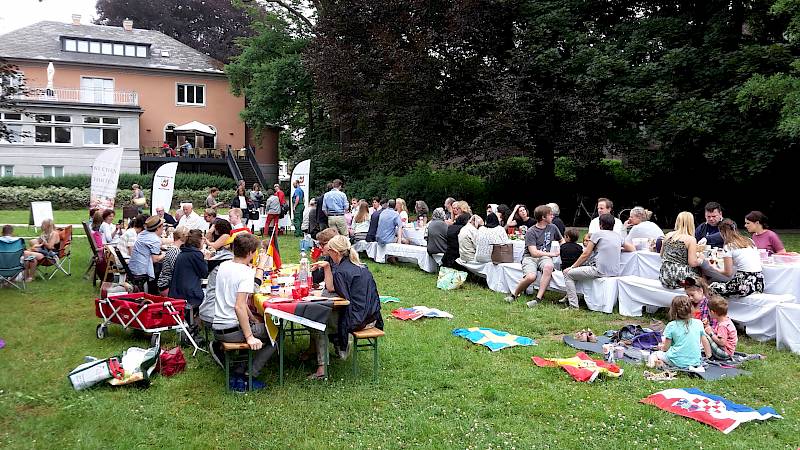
(105, 48)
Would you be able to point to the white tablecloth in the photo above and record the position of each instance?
(778, 278)
(787, 318)
(413, 254)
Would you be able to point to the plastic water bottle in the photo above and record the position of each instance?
(555, 247)
(302, 273)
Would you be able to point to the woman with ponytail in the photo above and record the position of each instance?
(349, 279)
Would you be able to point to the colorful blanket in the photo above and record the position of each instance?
(494, 339)
(415, 312)
(709, 409)
(311, 314)
(387, 299)
(581, 367)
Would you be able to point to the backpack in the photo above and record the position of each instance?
(284, 210)
(647, 340)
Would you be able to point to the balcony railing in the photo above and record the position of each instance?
(72, 95)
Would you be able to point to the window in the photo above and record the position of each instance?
(6, 171)
(53, 171)
(97, 90)
(105, 48)
(53, 134)
(11, 116)
(100, 136)
(14, 134)
(191, 94)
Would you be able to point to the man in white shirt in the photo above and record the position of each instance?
(191, 220)
(236, 281)
(606, 206)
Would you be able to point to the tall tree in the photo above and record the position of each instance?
(12, 84)
(210, 26)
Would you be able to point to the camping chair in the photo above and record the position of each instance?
(11, 264)
(94, 257)
(63, 260)
(138, 284)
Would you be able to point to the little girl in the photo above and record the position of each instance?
(722, 336)
(683, 339)
(697, 291)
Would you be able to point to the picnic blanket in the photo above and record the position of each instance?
(415, 312)
(715, 370)
(709, 409)
(494, 339)
(581, 367)
(388, 299)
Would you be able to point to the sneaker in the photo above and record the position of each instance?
(238, 384)
(215, 352)
(532, 303)
(563, 299)
(257, 384)
(697, 369)
(510, 298)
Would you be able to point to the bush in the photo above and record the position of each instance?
(196, 181)
(78, 198)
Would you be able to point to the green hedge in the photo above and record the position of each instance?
(197, 181)
(78, 198)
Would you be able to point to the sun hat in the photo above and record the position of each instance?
(152, 223)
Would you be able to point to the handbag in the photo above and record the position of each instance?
(254, 214)
(171, 362)
(502, 253)
(141, 201)
(450, 278)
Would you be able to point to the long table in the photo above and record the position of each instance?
(778, 278)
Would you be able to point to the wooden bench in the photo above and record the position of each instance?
(370, 335)
(233, 354)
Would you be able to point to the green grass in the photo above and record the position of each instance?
(435, 390)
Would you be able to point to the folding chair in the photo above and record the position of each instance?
(137, 283)
(63, 260)
(94, 257)
(113, 267)
(11, 264)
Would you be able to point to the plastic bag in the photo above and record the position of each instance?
(450, 278)
(171, 362)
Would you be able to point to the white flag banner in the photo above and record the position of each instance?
(163, 187)
(105, 177)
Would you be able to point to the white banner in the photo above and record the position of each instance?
(163, 187)
(302, 174)
(105, 176)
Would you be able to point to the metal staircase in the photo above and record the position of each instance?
(245, 168)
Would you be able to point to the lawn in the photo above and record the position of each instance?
(435, 390)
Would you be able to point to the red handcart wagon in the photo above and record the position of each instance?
(145, 312)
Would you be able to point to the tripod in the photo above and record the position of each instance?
(581, 209)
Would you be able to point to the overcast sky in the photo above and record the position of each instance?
(20, 13)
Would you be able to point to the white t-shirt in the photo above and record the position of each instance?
(126, 241)
(644, 230)
(404, 220)
(193, 222)
(594, 226)
(232, 278)
(744, 259)
(109, 231)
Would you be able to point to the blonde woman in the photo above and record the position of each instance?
(402, 209)
(679, 253)
(742, 264)
(351, 280)
(361, 221)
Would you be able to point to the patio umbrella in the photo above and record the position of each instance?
(51, 72)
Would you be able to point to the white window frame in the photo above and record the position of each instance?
(3, 168)
(52, 170)
(108, 96)
(101, 125)
(52, 124)
(70, 45)
(193, 85)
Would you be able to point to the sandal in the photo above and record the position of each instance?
(590, 337)
(581, 336)
(666, 375)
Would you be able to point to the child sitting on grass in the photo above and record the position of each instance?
(697, 291)
(722, 335)
(683, 339)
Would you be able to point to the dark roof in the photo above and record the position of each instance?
(42, 42)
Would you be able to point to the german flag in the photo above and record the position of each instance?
(272, 249)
